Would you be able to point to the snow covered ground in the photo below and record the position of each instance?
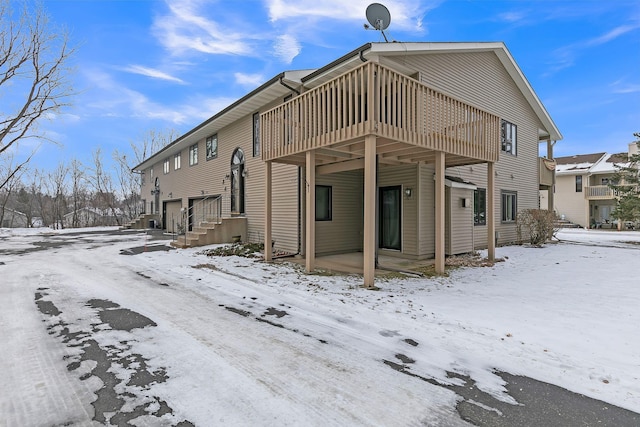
(321, 350)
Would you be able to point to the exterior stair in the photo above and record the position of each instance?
(143, 221)
(564, 223)
(226, 230)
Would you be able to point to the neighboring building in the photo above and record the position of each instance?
(405, 149)
(10, 218)
(91, 217)
(582, 192)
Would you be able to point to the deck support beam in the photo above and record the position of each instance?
(268, 250)
(491, 212)
(369, 232)
(310, 215)
(440, 211)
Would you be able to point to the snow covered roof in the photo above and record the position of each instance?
(579, 163)
(596, 163)
(609, 162)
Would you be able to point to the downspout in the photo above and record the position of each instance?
(288, 87)
(362, 58)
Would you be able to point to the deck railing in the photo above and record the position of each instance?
(603, 192)
(374, 99)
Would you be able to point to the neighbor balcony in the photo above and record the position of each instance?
(546, 168)
(601, 192)
(410, 120)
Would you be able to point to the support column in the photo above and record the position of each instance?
(550, 194)
(310, 212)
(369, 232)
(440, 211)
(268, 213)
(491, 212)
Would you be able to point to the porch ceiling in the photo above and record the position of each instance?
(348, 155)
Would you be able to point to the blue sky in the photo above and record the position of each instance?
(154, 64)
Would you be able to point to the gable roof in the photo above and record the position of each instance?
(370, 50)
(281, 85)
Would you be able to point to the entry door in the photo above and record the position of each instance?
(390, 218)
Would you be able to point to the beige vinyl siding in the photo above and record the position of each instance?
(480, 79)
(172, 215)
(572, 204)
(344, 232)
(285, 209)
(459, 221)
(406, 177)
(426, 212)
(209, 178)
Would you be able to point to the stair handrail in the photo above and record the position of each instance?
(214, 204)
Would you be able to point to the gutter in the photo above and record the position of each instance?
(359, 52)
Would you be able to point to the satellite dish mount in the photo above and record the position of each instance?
(379, 18)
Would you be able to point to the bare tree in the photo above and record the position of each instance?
(10, 179)
(56, 185)
(152, 142)
(34, 75)
(103, 187)
(129, 181)
(78, 191)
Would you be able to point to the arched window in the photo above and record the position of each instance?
(237, 182)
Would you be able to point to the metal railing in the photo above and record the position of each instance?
(206, 209)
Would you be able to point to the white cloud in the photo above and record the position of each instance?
(405, 14)
(186, 28)
(286, 48)
(512, 17)
(612, 35)
(251, 80)
(112, 99)
(153, 73)
(623, 88)
(566, 55)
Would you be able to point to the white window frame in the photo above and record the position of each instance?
(193, 155)
(508, 137)
(509, 206)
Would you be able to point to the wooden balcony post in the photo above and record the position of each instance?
(550, 199)
(268, 212)
(440, 211)
(491, 214)
(369, 243)
(310, 214)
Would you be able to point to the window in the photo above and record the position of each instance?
(480, 206)
(165, 166)
(323, 203)
(578, 183)
(256, 134)
(509, 206)
(151, 173)
(193, 155)
(177, 161)
(237, 182)
(212, 147)
(508, 137)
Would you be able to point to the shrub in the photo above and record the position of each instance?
(536, 226)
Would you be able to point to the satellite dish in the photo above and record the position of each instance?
(379, 18)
